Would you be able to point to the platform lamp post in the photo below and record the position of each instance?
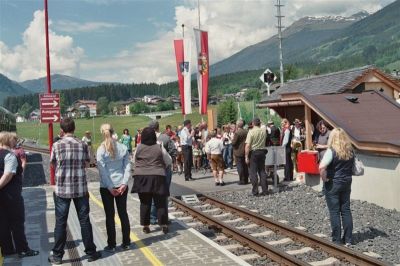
(46, 22)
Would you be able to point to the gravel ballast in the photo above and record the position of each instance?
(376, 229)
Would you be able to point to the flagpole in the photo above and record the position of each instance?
(183, 37)
(198, 14)
(198, 11)
(46, 25)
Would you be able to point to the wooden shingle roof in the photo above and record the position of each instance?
(371, 121)
(332, 83)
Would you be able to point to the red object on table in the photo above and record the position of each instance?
(307, 162)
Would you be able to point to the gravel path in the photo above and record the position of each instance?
(375, 229)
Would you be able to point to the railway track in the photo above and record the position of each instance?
(36, 149)
(274, 240)
(266, 238)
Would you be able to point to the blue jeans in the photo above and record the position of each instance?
(337, 197)
(60, 232)
(228, 156)
(153, 212)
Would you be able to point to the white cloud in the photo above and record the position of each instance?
(76, 27)
(232, 26)
(27, 60)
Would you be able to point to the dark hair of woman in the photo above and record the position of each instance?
(148, 136)
(321, 123)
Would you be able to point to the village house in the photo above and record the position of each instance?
(123, 107)
(153, 99)
(19, 118)
(365, 103)
(34, 115)
(82, 108)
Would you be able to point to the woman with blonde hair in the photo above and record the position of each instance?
(12, 208)
(114, 169)
(336, 172)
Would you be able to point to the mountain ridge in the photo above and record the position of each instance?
(301, 35)
(58, 82)
(9, 87)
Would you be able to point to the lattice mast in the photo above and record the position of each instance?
(280, 27)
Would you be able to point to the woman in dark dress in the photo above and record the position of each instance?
(12, 209)
(150, 162)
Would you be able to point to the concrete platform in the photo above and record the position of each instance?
(204, 183)
(182, 246)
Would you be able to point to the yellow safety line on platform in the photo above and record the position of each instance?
(142, 247)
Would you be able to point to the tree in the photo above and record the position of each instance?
(165, 106)
(25, 110)
(63, 106)
(139, 108)
(113, 108)
(252, 95)
(102, 105)
(227, 112)
(369, 53)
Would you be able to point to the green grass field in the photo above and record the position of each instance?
(39, 132)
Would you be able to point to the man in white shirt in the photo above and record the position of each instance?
(186, 136)
(214, 148)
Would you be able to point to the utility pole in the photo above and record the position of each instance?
(279, 16)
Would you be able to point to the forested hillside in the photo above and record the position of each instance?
(118, 92)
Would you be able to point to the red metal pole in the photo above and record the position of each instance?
(46, 21)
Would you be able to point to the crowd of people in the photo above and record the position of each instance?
(154, 158)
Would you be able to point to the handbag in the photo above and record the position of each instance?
(358, 167)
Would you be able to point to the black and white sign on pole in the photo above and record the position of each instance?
(268, 77)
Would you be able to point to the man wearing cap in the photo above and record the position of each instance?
(273, 139)
(273, 134)
(186, 136)
(238, 143)
(255, 152)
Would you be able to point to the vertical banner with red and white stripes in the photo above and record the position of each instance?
(183, 66)
(203, 68)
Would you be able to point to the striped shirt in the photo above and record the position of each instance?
(69, 156)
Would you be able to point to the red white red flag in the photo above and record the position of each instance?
(203, 68)
(183, 66)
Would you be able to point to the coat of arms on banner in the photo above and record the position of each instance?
(203, 64)
(184, 67)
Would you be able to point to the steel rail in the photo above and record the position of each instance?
(261, 247)
(296, 234)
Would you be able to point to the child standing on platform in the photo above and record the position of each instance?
(197, 153)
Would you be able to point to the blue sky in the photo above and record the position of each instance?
(124, 22)
(132, 40)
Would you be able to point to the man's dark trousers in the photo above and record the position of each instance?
(257, 166)
(289, 163)
(242, 169)
(60, 233)
(187, 161)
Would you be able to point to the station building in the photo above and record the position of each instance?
(365, 103)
